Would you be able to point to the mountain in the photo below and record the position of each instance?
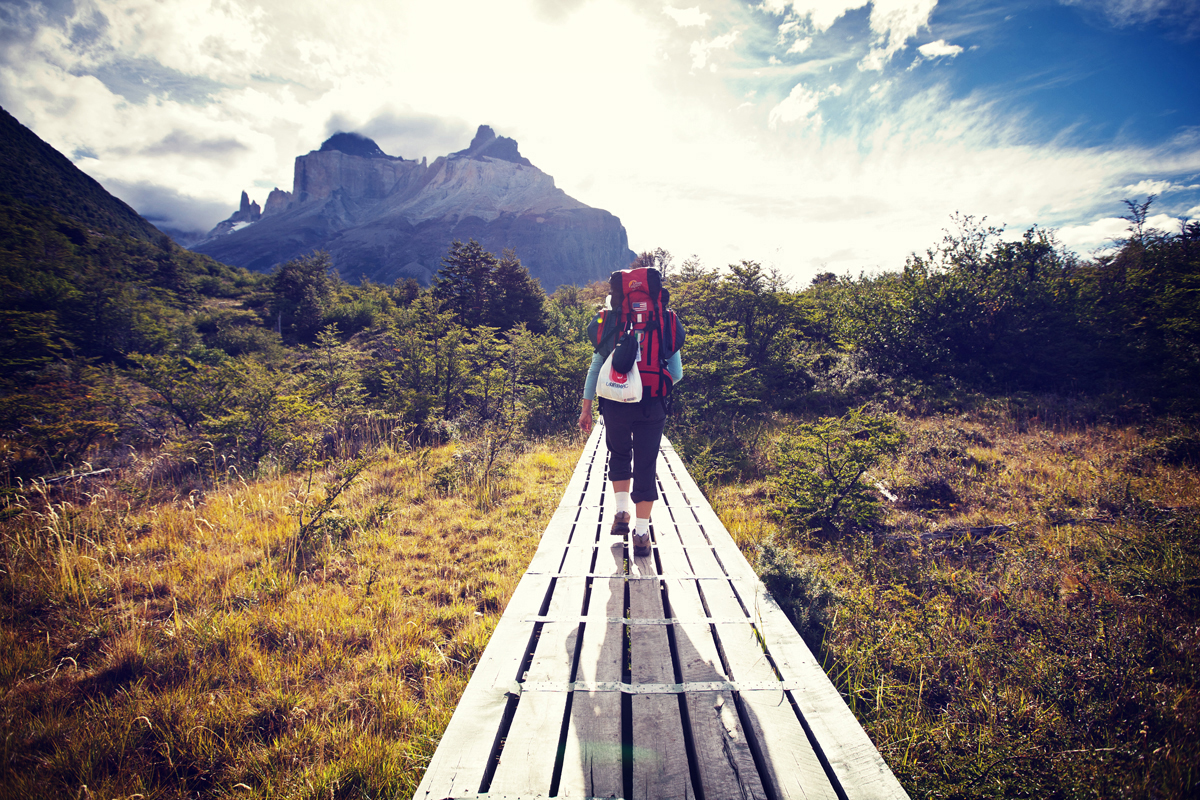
(81, 276)
(36, 173)
(384, 217)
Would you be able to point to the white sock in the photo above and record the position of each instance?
(623, 501)
(642, 526)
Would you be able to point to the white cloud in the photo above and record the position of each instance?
(1152, 187)
(894, 22)
(800, 45)
(687, 17)
(643, 132)
(801, 105)
(939, 48)
(821, 14)
(701, 50)
(1104, 233)
(1092, 235)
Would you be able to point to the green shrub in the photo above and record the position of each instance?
(820, 467)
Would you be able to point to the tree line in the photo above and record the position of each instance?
(109, 343)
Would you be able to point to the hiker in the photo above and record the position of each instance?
(632, 430)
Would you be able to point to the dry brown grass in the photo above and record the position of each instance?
(1057, 659)
(171, 649)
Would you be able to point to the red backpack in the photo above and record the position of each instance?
(639, 309)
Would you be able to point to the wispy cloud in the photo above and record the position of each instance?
(1183, 16)
(801, 105)
(701, 50)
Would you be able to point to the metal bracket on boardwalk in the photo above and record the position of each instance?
(669, 676)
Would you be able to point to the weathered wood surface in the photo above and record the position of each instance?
(669, 676)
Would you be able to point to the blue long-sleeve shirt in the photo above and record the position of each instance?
(674, 367)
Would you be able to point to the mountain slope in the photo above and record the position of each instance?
(35, 172)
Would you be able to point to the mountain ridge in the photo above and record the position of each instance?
(386, 218)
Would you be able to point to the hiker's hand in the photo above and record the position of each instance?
(585, 417)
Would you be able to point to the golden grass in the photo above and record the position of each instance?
(1058, 659)
(170, 649)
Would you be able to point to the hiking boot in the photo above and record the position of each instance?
(641, 545)
(620, 525)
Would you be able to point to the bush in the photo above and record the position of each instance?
(820, 466)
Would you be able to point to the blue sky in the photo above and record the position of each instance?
(818, 135)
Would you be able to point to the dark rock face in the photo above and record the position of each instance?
(487, 143)
(386, 218)
(354, 144)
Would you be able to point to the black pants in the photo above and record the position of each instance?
(632, 432)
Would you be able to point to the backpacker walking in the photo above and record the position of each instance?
(636, 328)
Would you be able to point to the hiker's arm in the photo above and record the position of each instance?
(589, 392)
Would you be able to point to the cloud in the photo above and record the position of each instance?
(700, 50)
(800, 45)
(939, 48)
(801, 105)
(1181, 16)
(182, 143)
(408, 133)
(894, 22)
(1158, 187)
(687, 17)
(1104, 233)
(171, 210)
(820, 14)
(138, 79)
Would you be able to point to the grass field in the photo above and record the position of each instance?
(1022, 621)
(195, 645)
(1056, 656)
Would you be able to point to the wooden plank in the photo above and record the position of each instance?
(699, 551)
(610, 556)
(527, 760)
(723, 754)
(660, 763)
(592, 760)
(577, 561)
(793, 767)
(670, 547)
(854, 760)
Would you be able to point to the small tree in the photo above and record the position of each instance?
(301, 291)
(515, 296)
(820, 466)
(464, 281)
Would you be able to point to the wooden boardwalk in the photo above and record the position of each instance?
(669, 676)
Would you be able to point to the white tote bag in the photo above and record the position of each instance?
(615, 386)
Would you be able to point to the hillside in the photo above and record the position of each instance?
(36, 173)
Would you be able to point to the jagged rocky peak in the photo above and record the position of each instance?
(355, 144)
(247, 211)
(387, 218)
(487, 144)
(278, 200)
